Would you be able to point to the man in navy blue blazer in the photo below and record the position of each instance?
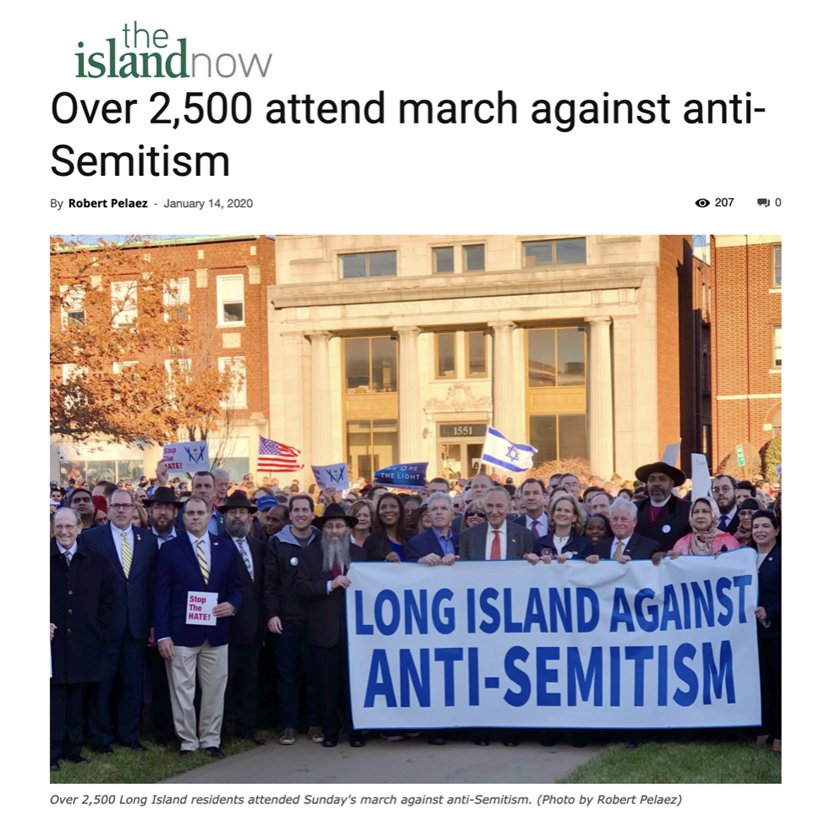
(437, 544)
(131, 551)
(196, 562)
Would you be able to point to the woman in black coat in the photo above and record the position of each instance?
(768, 614)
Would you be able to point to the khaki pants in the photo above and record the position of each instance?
(209, 665)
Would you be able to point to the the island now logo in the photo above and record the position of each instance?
(145, 53)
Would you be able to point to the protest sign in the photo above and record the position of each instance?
(504, 644)
(186, 456)
(332, 476)
(199, 606)
(405, 475)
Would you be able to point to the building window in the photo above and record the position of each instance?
(474, 258)
(176, 299)
(475, 354)
(776, 265)
(445, 354)
(72, 309)
(230, 310)
(369, 265)
(558, 436)
(370, 445)
(371, 365)
(443, 259)
(556, 357)
(777, 347)
(124, 303)
(558, 251)
(236, 366)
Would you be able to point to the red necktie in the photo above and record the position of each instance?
(335, 570)
(495, 553)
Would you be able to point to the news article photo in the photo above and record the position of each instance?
(283, 470)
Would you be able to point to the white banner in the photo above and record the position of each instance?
(510, 644)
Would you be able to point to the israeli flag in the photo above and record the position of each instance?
(502, 453)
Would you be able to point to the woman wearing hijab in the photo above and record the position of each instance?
(705, 538)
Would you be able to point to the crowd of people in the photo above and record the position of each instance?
(133, 568)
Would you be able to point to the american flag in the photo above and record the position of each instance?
(277, 457)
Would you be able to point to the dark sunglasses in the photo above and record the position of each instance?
(476, 513)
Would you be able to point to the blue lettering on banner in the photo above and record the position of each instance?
(714, 676)
(589, 681)
(685, 697)
(547, 675)
(646, 646)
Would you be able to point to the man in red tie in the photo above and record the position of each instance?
(497, 539)
(494, 541)
(534, 501)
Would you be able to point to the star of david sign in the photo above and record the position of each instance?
(512, 453)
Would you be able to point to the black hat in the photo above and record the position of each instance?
(237, 500)
(163, 495)
(675, 474)
(334, 511)
(749, 504)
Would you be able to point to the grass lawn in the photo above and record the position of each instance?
(128, 766)
(676, 762)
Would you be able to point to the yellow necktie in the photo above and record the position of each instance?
(619, 551)
(126, 552)
(201, 560)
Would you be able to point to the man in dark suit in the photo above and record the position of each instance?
(497, 539)
(322, 582)
(436, 545)
(132, 552)
(626, 544)
(723, 492)
(662, 516)
(162, 506)
(82, 590)
(196, 563)
(246, 632)
(534, 501)
(205, 487)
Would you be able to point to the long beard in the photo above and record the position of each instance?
(335, 551)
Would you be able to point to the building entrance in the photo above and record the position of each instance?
(460, 446)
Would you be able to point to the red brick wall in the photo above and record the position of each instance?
(224, 258)
(744, 313)
(672, 252)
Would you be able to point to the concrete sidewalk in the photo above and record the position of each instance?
(381, 761)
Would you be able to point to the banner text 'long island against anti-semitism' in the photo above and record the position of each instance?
(574, 644)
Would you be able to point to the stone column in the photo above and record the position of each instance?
(504, 404)
(410, 419)
(599, 394)
(321, 453)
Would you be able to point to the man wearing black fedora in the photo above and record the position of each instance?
(246, 626)
(662, 516)
(322, 583)
(162, 506)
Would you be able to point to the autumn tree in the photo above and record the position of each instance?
(122, 366)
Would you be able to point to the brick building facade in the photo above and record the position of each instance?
(224, 283)
(746, 349)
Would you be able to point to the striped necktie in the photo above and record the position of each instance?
(244, 553)
(619, 551)
(126, 553)
(201, 560)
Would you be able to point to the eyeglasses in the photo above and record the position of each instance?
(121, 506)
(481, 514)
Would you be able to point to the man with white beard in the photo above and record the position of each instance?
(322, 582)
